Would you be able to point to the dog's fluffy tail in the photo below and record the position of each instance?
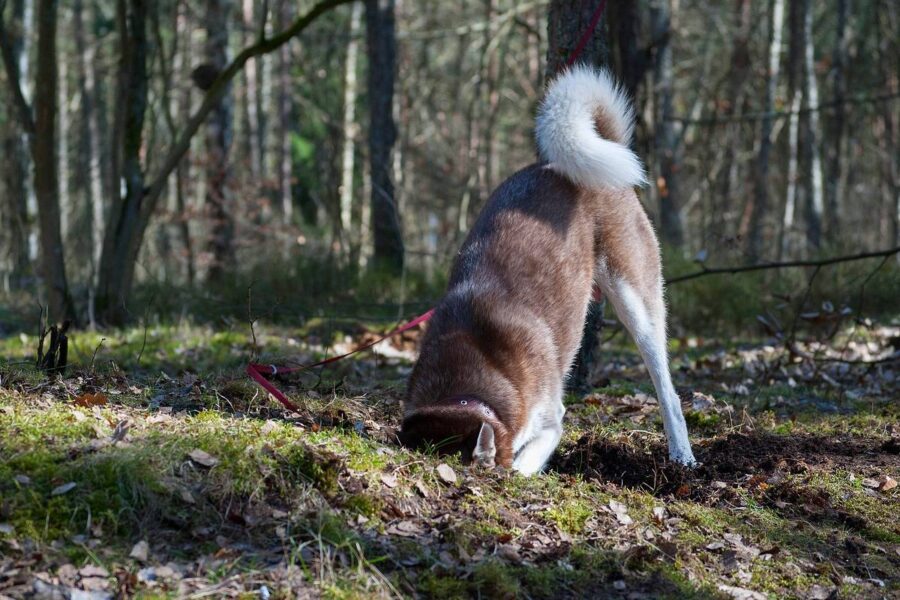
(584, 128)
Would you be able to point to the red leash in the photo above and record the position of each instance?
(588, 33)
(258, 372)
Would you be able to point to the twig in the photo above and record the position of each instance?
(94, 355)
(783, 265)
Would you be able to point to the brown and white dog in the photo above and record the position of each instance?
(490, 376)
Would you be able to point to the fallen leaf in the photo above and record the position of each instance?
(7, 529)
(739, 593)
(886, 482)
(63, 489)
(446, 473)
(89, 400)
(621, 512)
(659, 514)
(140, 551)
(683, 491)
(870, 483)
(23, 479)
(389, 480)
(422, 489)
(202, 458)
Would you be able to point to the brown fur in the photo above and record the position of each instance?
(517, 298)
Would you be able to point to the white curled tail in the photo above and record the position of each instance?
(584, 128)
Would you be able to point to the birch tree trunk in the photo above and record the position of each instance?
(283, 155)
(814, 207)
(89, 155)
(795, 93)
(348, 153)
(62, 152)
(219, 134)
(761, 191)
(382, 51)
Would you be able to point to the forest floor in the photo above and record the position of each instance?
(155, 468)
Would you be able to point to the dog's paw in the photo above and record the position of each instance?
(684, 458)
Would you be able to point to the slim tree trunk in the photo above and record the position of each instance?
(349, 127)
(285, 108)
(737, 79)
(182, 108)
(834, 189)
(89, 124)
(14, 168)
(567, 21)
(382, 48)
(46, 182)
(795, 93)
(667, 144)
(761, 191)
(124, 232)
(814, 207)
(219, 135)
(251, 116)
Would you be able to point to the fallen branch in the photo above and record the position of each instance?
(784, 265)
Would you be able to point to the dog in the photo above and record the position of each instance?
(490, 376)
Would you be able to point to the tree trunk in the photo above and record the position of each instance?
(182, 108)
(812, 179)
(795, 93)
(566, 23)
(14, 169)
(834, 187)
(731, 138)
(218, 144)
(89, 123)
(667, 144)
(382, 49)
(125, 229)
(761, 192)
(350, 128)
(46, 182)
(285, 108)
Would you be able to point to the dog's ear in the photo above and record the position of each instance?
(485, 448)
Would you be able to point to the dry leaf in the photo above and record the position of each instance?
(886, 482)
(870, 483)
(422, 489)
(89, 400)
(621, 512)
(63, 489)
(140, 551)
(202, 458)
(740, 593)
(446, 473)
(389, 480)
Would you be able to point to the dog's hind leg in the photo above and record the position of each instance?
(642, 310)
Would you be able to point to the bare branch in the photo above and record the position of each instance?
(783, 265)
(217, 90)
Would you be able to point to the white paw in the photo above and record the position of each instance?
(683, 456)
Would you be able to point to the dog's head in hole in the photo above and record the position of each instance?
(462, 425)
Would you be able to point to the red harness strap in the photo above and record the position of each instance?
(258, 371)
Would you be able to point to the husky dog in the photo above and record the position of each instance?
(490, 376)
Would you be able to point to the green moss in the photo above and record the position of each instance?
(494, 579)
(442, 587)
(570, 515)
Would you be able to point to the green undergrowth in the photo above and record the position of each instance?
(187, 455)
